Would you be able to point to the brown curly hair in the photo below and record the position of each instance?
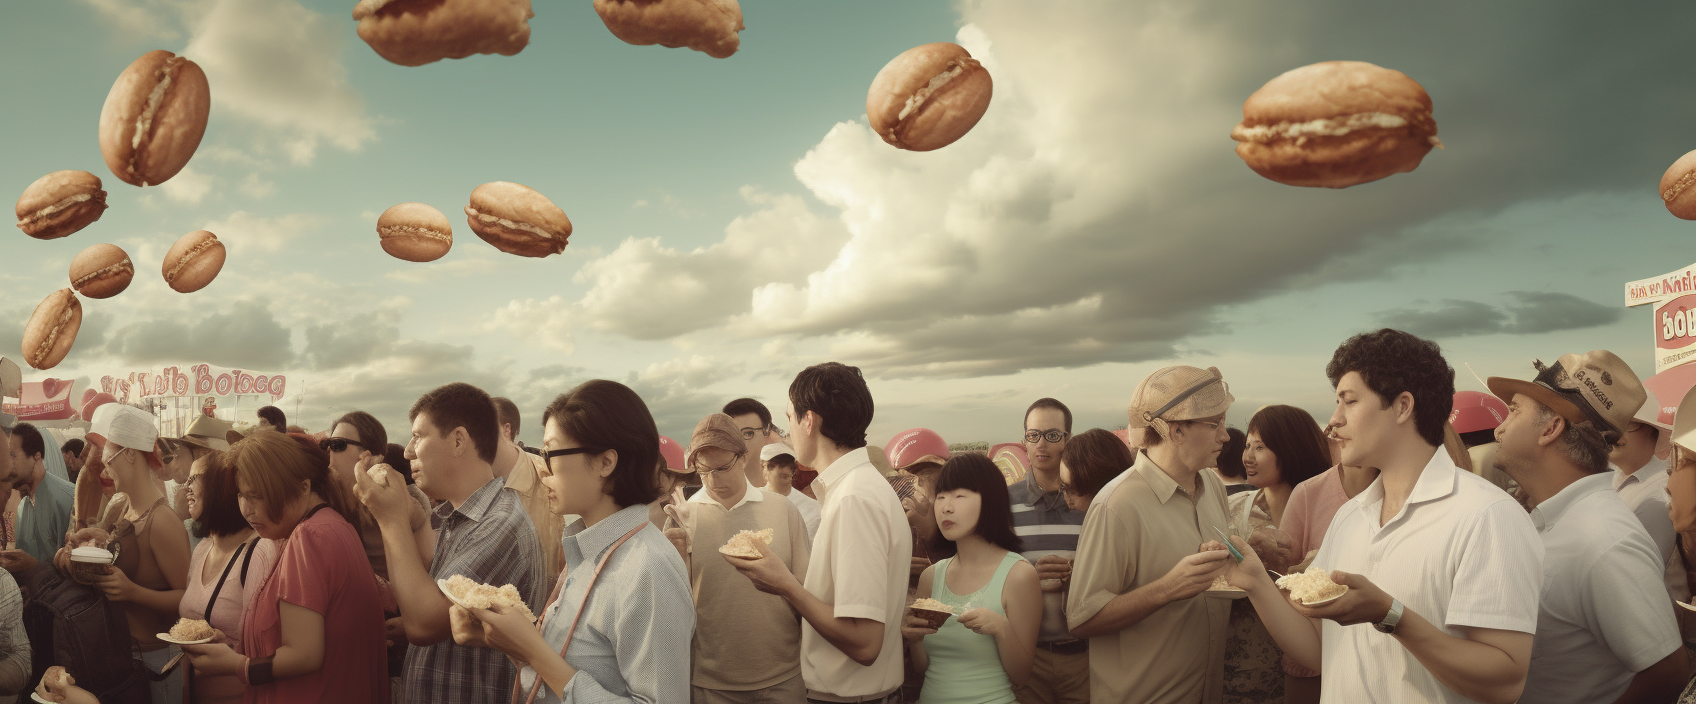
(1391, 362)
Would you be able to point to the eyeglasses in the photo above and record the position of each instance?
(1032, 436)
(1068, 489)
(749, 433)
(709, 472)
(337, 444)
(1213, 424)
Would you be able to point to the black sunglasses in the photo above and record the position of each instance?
(337, 444)
(549, 455)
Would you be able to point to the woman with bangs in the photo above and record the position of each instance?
(1285, 448)
(314, 630)
(226, 569)
(977, 656)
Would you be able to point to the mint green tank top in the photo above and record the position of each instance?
(965, 667)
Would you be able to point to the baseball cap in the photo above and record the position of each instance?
(1476, 411)
(1178, 393)
(717, 431)
(911, 447)
(772, 450)
(126, 426)
(672, 453)
(1595, 387)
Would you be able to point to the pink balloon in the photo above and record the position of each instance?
(97, 401)
(87, 394)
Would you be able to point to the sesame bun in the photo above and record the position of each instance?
(517, 220)
(60, 203)
(1678, 187)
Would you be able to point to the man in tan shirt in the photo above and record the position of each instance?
(1138, 578)
(522, 473)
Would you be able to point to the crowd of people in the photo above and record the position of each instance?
(1526, 545)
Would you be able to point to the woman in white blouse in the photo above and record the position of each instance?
(623, 601)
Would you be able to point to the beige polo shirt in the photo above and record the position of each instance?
(745, 639)
(1139, 526)
(860, 561)
(526, 479)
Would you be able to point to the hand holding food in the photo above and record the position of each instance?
(60, 203)
(154, 118)
(1194, 574)
(928, 97)
(744, 544)
(1336, 124)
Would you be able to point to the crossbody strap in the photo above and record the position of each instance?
(575, 619)
(221, 579)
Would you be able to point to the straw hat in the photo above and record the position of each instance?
(1178, 393)
(1595, 387)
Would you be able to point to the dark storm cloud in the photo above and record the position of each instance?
(1525, 313)
(247, 335)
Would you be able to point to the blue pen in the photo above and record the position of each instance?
(1228, 546)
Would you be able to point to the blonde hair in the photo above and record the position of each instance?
(274, 465)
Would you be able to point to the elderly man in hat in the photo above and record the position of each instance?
(1445, 566)
(1138, 566)
(1605, 628)
(747, 642)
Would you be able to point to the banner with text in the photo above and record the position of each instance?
(48, 399)
(1675, 337)
(193, 380)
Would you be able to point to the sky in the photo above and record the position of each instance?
(735, 220)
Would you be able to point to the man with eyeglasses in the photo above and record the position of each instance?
(1049, 530)
(753, 423)
(747, 643)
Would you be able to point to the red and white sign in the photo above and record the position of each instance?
(195, 380)
(1675, 332)
(48, 399)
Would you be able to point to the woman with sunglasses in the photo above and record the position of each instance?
(352, 437)
(977, 656)
(622, 614)
(228, 565)
(1089, 461)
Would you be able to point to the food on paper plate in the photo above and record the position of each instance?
(1312, 586)
(193, 261)
(101, 271)
(1221, 585)
(928, 97)
(154, 118)
(191, 629)
(471, 594)
(517, 220)
(415, 232)
(418, 32)
(707, 26)
(1336, 124)
(52, 329)
(1676, 190)
(934, 612)
(59, 676)
(60, 203)
(742, 544)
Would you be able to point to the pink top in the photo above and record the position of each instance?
(1312, 505)
(323, 568)
(227, 612)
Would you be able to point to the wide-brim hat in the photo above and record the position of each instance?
(1684, 422)
(1595, 387)
(208, 432)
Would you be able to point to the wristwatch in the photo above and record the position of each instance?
(1388, 625)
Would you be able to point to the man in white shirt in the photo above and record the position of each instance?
(1445, 566)
(1640, 477)
(778, 462)
(855, 590)
(1605, 632)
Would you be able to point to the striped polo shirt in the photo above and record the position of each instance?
(1047, 527)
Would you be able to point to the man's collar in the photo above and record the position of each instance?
(1436, 480)
(1163, 484)
(704, 496)
(1037, 494)
(593, 540)
(477, 505)
(840, 468)
(1549, 512)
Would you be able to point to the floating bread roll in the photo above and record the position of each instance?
(193, 261)
(742, 544)
(517, 220)
(52, 329)
(1676, 189)
(928, 97)
(415, 232)
(418, 32)
(59, 204)
(1336, 124)
(101, 271)
(154, 118)
(707, 26)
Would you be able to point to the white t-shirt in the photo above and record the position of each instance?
(1604, 615)
(861, 558)
(809, 508)
(1461, 553)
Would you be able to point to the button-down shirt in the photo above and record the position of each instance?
(861, 558)
(45, 517)
(1603, 616)
(489, 540)
(1047, 526)
(1460, 553)
(1138, 527)
(632, 644)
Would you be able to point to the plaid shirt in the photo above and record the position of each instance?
(488, 539)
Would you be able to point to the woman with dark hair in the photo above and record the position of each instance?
(1090, 460)
(314, 630)
(977, 657)
(1230, 463)
(620, 628)
(352, 437)
(225, 572)
(1285, 448)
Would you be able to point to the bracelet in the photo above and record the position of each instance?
(259, 672)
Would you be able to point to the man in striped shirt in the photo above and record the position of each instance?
(486, 536)
(1050, 530)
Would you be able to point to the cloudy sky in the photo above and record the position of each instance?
(736, 220)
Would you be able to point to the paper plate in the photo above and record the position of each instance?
(1687, 606)
(931, 616)
(168, 639)
(442, 584)
(1322, 602)
(37, 697)
(1225, 593)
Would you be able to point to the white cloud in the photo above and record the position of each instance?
(451, 268)
(139, 20)
(546, 322)
(279, 65)
(188, 186)
(256, 186)
(244, 230)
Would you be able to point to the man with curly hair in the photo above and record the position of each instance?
(1445, 566)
